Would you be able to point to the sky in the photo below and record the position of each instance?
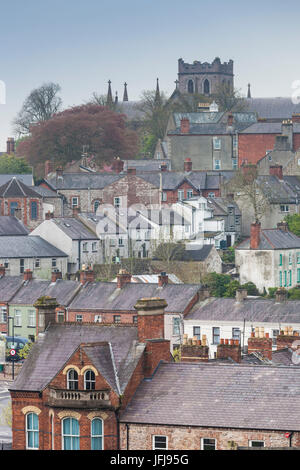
(82, 44)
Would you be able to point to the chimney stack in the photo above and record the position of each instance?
(281, 295)
(2, 270)
(87, 275)
(56, 274)
(286, 338)
(194, 350)
(187, 165)
(230, 120)
(49, 215)
(276, 170)
(287, 129)
(27, 276)
(59, 172)
(10, 145)
(260, 342)
(46, 312)
(283, 226)
(241, 295)
(123, 277)
(185, 126)
(255, 236)
(163, 166)
(163, 279)
(151, 312)
(117, 165)
(131, 171)
(229, 349)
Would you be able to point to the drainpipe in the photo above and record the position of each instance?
(127, 436)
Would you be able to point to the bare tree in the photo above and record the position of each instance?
(230, 99)
(41, 104)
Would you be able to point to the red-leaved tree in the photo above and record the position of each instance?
(62, 138)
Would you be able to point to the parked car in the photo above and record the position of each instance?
(17, 343)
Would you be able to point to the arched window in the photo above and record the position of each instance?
(72, 380)
(89, 380)
(97, 434)
(34, 210)
(190, 86)
(206, 87)
(70, 434)
(96, 205)
(32, 431)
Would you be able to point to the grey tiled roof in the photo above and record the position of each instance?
(50, 353)
(226, 396)
(30, 246)
(83, 180)
(106, 296)
(11, 225)
(273, 239)
(250, 310)
(62, 290)
(26, 179)
(268, 128)
(198, 255)
(146, 165)
(9, 286)
(45, 192)
(276, 108)
(73, 228)
(16, 188)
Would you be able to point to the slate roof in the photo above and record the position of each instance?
(273, 239)
(50, 353)
(62, 290)
(197, 255)
(83, 180)
(26, 179)
(250, 310)
(273, 108)
(11, 225)
(268, 128)
(45, 192)
(74, 228)
(106, 296)
(16, 188)
(143, 165)
(30, 246)
(9, 285)
(201, 180)
(229, 396)
(282, 357)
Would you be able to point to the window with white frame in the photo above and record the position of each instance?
(79, 318)
(85, 247)
(275, 333)
(176, 326)
(37, 263)
(256, 443)
(197, 332)
(72, 379)
(18, 318)
(3, 314)
(208, 444)
(217, 143)
(31, 318)
(53, 263)
(164, 196)
(89, 380)
(189, 193)
(159, 442)
(284, 208)
(236, 334)
(98, 319)
(217, 164)
(32, 431)
(94, 246)
(74, 201)
(180, 194)
(216, 335)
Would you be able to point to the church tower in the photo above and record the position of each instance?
(204, 78)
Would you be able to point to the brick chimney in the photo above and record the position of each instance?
(123, 277)
(229, 349)
(131, 171)
(230, 120)
(163, 279)
(46, 312)
(49, 215)
(283, 226)
(296, 117)
(261, 343)
(2, 270)
(281, 295)
(188, 165)
(56, 274)
(163, 167)
(10, 145)
(151, 312)
(286, 338)
(27, 276)
(87, 275)
(185, 126)
(241, 295)
(194, 350)
(276, 170)
(118, 165)
(255, 235)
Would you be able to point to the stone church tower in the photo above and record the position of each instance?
(204, 78)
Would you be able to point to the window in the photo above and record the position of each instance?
(85, 247)
(280, 260)
(72, 380)
(96, 205)
(284, 208)
(159, 442)
(3, 314)
(236, 334)
(79, 318)
(216, 335)
(31, 318)
(211, 194)
(275, 333)
(217, 143)
(120, 242)
(98, 318)
(298, 258)
(217, 164)
(290, 258)
(208, 444)
(74, 201)
(18, 318)
(163, 196)
(134, 319)
(37, 263)
(60, 317)
(189, 193)
(6, 263)
(298, 275)
(89, 380)
(32, 431)
(117, 202)
(190, 87)
(234, 163)
(176, 326)
(70, 434)
(117, 318)
(206, 87)
(290, 277)
(94, 247)
(53, 263)
(13, 206)
(34, 210)
(180, 194)
(280, 278)
(22, 262)
(285, 279)
(97, 434)
(256, 444)
(197, 332)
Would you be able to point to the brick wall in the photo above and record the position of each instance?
(252, 147)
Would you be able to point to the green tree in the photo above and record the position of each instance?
(10, 164)
(230, 99)
(217, 283)
(23, 353)
(293, 222)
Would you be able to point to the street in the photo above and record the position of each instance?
(5, 430)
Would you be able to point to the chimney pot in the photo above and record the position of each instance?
(27, 275)
(163, 279)
(123, 277)
(188, 165)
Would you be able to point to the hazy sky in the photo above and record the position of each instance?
(82, 44)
